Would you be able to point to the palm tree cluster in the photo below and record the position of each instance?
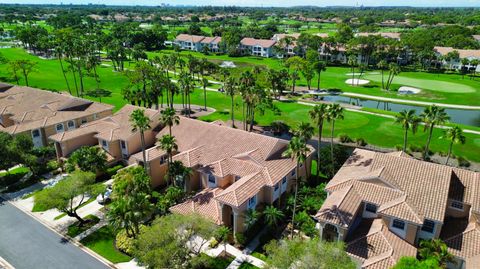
(430, 117)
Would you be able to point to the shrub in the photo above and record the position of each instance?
(415, 148)
(462, 162)
(361, 142)
(306, 224)
(240, 239)
(344, 138)
(53, 165)
(123, 242)
(213, 243)
(398, 147)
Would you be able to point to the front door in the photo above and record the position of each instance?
(37, 138)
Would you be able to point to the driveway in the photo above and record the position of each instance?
(26, 243)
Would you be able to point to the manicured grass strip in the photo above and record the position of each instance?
(74, 229)
(15, 171)
(218, 262)
(82, 205)
(102, 242)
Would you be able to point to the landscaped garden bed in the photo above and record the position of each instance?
(74, 229)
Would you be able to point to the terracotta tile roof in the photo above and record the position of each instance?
(211, 40)
(403, 185)
(189, 38)
(33, 108)
(111, 128)
(401, 208)
(242, 189)
(203, 203)
(264, 43)
(340, 207)
(380, 248)
(463, 53)
(467, 244)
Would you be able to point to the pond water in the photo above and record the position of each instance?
(461, 116)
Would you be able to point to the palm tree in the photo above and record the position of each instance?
(319, 67)
(140, 123)
(431, 116)
(438, 249)
(382, 65)
(455, 136)
(251, 217)
(121, 217)
(304, 131)
(205, 84)
(180, 173)
(297, 150)
(352, 61)
(272, 215)
(318, 114)
(334, 112)
(408, 120)
(230, 88)
(168, 144)
(222, 237)
(169, 117)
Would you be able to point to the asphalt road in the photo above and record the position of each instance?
(26, 243)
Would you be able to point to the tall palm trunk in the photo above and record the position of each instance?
(294, 200)
(427, 146)
(318, 81)
(233, 118)
(405, 138)
(449, 152)
(64, 75)
(331, 147)
(205, 98)
(320, 129)
(383, 83)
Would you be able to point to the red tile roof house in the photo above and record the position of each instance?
(257, 47)
(290, 50)
(457, 63)
(196, 43)
(113, 134)
(234, 170)
(40, 113)
(382, 204)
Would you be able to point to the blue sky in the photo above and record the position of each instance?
(437, 3)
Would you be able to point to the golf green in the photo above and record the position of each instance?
(426, 84)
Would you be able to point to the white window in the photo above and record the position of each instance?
(371, 208)
(84, 120)
(428, 226)
(277, 186)
(105, 144)
(95, 116)
(456, 205)
(398, 224)
(252, 202)
(71, 124)
(284, 180)
(293, 172)
(59, 127)
(123, 144)
(35, 133)
(163, 159)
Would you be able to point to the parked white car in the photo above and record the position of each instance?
(104, 198)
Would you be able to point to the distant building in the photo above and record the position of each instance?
(457, 63)
(197, 43)
(257, 47)
(395, 36)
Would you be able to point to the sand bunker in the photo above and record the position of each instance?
(357, 81)
(408, 90)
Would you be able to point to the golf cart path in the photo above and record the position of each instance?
(397, 100)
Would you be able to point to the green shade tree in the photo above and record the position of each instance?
(89, 159)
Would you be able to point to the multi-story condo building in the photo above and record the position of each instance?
(197, 43)
(257, 47)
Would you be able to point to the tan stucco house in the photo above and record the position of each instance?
(113, 134)
(233, 170)
(383, 204)
(40, 113)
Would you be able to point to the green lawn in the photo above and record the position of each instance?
(102, 242)
(378, 131)
(247, 265)
(74, 229)
(21, 170)
(217, 262)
